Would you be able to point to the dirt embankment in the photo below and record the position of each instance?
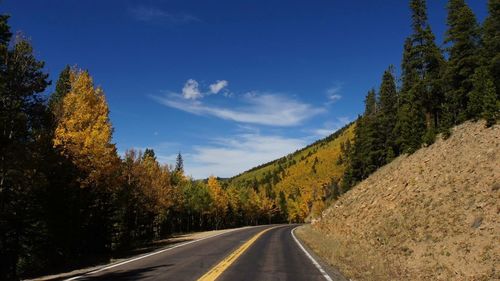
(433, 215)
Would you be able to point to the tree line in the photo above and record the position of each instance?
(439, 88)
(67, 198)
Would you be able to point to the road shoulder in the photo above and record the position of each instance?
(301, 234)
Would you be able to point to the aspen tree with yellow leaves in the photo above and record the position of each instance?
(84, 130)
(219, 200)
(83, 135)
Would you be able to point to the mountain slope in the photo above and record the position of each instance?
(433, 215)
(301, 181)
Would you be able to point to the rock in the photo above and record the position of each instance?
(477, 222)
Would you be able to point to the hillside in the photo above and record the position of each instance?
(433, 215)
(305, 178)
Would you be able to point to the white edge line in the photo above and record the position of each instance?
(148, 255)
(318, 266)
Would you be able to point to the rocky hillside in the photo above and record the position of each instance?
(433, 215)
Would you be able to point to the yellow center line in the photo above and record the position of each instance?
(217, 270)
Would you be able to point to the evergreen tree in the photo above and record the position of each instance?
(63, 87)
(179, 164)
(463, 35)
(491, 42)
(367, 152)
(388, 105)
(149, 152)
(22, 128)
(410, 125)
(428, 62)
(421, 94)
(482, 99)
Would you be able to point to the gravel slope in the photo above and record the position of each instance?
(433, 215)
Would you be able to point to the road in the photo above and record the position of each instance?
(254, 253)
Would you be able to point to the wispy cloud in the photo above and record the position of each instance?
(333, 95)
(157, 15)
(230, 156)
(331, 127)
(256, 108)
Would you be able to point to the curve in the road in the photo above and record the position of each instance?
(252, 253)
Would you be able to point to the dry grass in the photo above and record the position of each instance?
(355, 260)
(433, 215)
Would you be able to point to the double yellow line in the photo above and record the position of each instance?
(217, 270)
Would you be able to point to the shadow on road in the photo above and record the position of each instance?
(134, 274)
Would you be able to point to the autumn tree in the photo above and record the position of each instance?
(219, 200)
(83, 134)
(197, 202)
(84, 130)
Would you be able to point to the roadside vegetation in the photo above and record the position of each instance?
(68, 199)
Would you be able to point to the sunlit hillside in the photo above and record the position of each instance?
(431, 215)
(304, 180)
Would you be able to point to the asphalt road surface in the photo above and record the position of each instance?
(254, 253)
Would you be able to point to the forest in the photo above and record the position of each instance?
(68, 199)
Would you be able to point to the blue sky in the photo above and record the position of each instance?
(229, 84)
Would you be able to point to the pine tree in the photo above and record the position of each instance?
(463, 35)
(410, 126)
(482, 98)
(388, 114)
(367, 153)
(491, 42)
(179, 164)
(149, 152)
(427, 60)
(421, 93)
(23, 129)
(63, 87)
(370, 103)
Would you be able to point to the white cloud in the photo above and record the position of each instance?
(153, 14)
(334, 97)
(218, 86)
(229, 157)
(191, 90)
(263, 109)
(331, 127)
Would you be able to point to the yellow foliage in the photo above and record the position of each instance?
(219, 199)
(312, 182)
(84, 130)
(304, 176)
